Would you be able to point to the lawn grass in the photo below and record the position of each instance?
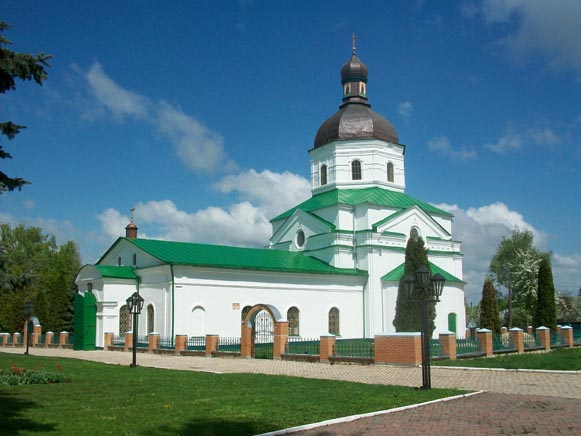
(566, 359)
(102, 399)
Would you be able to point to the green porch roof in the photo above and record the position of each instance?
(396, 274)
(378, 196)
(116, 272)
(220, 256)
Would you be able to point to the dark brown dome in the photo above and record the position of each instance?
(355, 119)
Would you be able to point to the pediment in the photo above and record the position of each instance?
(404, 220)
(309, 223)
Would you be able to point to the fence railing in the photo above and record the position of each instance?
(196, 343)
(532, 341)
(297, 345)
(467, 346)
(166, 343)
(435, 348)
(142, 342)
(556, 339)
(502, 342)
(229, 344)
(119, 341)
(354, 348)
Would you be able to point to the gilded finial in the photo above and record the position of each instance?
(353, 38)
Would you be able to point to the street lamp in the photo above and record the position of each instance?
(134, 305)
(28, 311)
(430, 289)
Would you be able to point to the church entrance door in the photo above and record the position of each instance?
(262, 336)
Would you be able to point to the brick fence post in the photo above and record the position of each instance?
(212, 342)
(485, 338)
(5, 337)
(567, 333)
(16, 339)
(181, 343)
(399, 348)
(517, 337)
(448, 345)
(544, 335)
(326, 346)
(152, 342)
(245, 341)
(108, 340)
(48, 339)
(503, 330)
(280, 339)
(63, 339)
(128, 341)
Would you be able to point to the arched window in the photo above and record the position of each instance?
(356, 170)
(334, 321)
(244, 313)
(452, 318)
(134, 259)
(323, 174)
(292, 316)
(198, 322)
(150, 319)
(124, 320)
(390, 177)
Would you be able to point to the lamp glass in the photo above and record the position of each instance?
(438, 285)
(28, 308)
(409, 283)
(423, 276)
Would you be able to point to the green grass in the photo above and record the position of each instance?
(102, 399)
(559, 359)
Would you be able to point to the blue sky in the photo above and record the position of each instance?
(201, 115)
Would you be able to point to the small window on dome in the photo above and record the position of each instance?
(356, 170)
(362, 89)
(300, 239)
(348, 89)
(323, 174)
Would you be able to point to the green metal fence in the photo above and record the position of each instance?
(467, 346)
(166, 343)
(532, 341)
(435, 348)
(502, 343)
(297, 345)
(354, 348)
(557, 339)
(229, 344)
(142, 342)
(196, 343)
(119, 341)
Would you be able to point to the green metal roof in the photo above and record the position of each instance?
(378, 196)
(396, 274)
(117, 272)
(219, 256)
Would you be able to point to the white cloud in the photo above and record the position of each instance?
(197, 146)
(545, 136)
(510, 141)
(566, 272)
(481, 230)
(116, 99)
(405, 109)
(442, 146)
(272, 192)
(540, 27)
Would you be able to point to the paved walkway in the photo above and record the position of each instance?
(515, 402)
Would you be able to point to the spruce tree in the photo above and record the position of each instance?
(407, 311)
(489, 318)
(546, 307)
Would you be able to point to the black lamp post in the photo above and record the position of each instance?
(134, 305)
(430, 289)
(28, 311)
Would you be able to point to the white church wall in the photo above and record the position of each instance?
(123, 254)
(451, 301)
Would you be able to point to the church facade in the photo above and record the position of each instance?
(333, 262)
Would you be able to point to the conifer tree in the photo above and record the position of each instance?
(546, 307)
(489, 318)
(407, 313)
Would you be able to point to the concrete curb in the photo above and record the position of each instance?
(470, 368)
(364, 415)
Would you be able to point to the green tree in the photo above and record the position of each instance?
(407, 311)
(515, 267)
(16, 66)
(488, 308)
(546, 308)
(50, 271)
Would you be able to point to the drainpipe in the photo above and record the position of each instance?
(172, 300)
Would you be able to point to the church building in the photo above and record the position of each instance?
(333, 262)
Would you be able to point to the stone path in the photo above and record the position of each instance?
(515, 402)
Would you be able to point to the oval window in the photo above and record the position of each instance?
(300, 240)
